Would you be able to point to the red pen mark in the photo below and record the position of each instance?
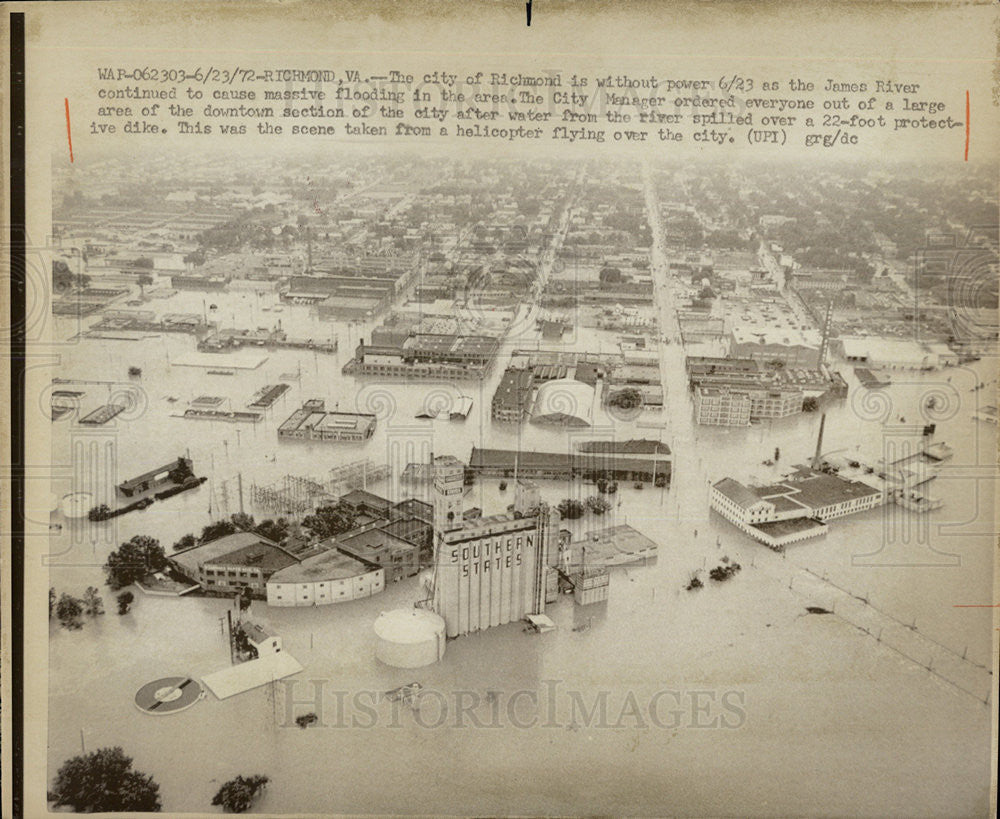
(69, 133)
(967, 125)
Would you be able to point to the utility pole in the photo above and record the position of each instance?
(229, 623)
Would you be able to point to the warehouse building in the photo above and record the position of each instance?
(330, 577)
(313, 423)
(233, 563)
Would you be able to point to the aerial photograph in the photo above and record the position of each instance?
(423, 483)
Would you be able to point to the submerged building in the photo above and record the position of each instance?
(312, 422)
(795, 509)
(239, 562)
(427, 355)
(643, 461)
(491, 570)
(333, 576)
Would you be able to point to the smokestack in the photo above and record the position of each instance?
(819, 442)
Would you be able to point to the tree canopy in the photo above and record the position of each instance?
(238, 794)
(69, 610)
(103, 780)
(570, 509)
(329, 521)
(628, 398)
(133, 560)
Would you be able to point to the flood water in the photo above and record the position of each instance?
(760, 709)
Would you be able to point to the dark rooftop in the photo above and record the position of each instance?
(366, 544)
(633, 446)
(737, 492)
(241, 548)
(513, 386)
(412, 507)
(357, 497)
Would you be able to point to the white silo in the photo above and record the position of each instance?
(409, 638)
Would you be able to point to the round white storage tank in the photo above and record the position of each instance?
(409, 638)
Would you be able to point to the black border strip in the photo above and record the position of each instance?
(17, 362)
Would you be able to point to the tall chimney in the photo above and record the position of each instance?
(819, 442)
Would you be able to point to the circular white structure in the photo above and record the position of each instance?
(77, 504)
(565, 402)
(409, 638)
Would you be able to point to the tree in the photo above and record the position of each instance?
(100, 512)
(238, 794)
(62, 276)
(93, 605)
(570, 509)
(611, 275)
(720, 574)
(214, 531)
(777, 453)
(243, 521)
(185, 542)
(125, 601)
(181, 471)
(810, 404)
(628, 398)
(597, 504)
(68, 610)
(143, 280)
(329, 521)
(64, 279)
(103, 780)
(133, 560)
(276, 530)
(241, 643)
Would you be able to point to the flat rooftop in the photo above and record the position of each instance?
(780, 528)
(251, 674)
(823, 490)
(413, 507)
(412, 530)
(362, 496)
(258, 555)
(235, 549)
(546, 461)
(633, 446)
(447, 343)
(309, 418)
(616, 539)
(330, 565)
(351, 302)
(369, 542)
